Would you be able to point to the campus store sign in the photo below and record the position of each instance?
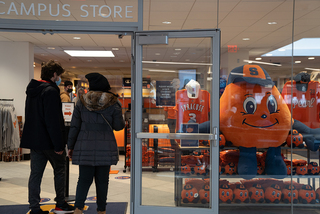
(71, 10)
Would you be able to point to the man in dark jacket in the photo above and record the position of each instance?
(43, 134)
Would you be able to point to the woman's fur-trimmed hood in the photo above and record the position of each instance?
(98, 100)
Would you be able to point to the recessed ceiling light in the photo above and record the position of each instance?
(78, 53)
(158, 54)
(76, 37)
(258, 58)
(115, 49)
(166, 22)
(51, 48)
(297, 61)
(272, 23)
(246, 39)
(177, 49)
(311, 58)
(281, 49)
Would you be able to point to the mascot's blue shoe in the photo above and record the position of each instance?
(275, 165)
(247, 165)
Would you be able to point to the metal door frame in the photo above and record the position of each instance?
(137, 134)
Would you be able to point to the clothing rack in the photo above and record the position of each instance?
(6, 100)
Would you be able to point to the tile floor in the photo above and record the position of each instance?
(14, 183)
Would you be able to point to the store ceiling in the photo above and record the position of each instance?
(238, 19)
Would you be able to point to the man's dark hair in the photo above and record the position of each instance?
(66, 83)
(48, 69)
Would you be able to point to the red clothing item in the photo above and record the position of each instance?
(192, 109)
(172, 114)
(305, 102)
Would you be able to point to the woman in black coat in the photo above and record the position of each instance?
(91, 142)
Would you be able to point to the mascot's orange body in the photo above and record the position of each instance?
(252, 115)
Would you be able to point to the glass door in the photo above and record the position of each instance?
(175, 122)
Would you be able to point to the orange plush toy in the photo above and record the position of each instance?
(307, 195)
(254, 115)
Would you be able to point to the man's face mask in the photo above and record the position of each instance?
(69, 90)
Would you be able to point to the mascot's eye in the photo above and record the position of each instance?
(294, 194)
(301, 169)
(272, 104)
(205, 194)
(278, 194)
(294, 139)
(311, 195)
(307, 194)
(273, 193)
(312, 168)
(261, 193)
(227, 193)
(245, 194)
(289, 168)
(289, 194)
(191, 193)
(222, 193)
(250, 105)
(187, 194)
(241, 193)
(257, 192)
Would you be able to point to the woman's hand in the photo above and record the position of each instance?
(70, 151)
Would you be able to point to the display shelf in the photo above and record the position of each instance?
(281, 204)
(233, 204)
(270, 176)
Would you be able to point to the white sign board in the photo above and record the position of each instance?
(67, 111)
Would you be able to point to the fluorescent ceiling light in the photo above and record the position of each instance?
(258, 58)
(311, 58)
(272, 23)
(158, 70)
(166, 22)
(76, 37)
(158, 54)
(259, 62)
(281, 49)
(312, 69)
(246, 39)
(89, 53)
(176, 63)
(177, 49)
(51, 48)
(302, 47)
(297, 62)
(115, 49)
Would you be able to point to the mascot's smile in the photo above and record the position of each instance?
(243, 122)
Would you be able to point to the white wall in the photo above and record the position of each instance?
(16, 69)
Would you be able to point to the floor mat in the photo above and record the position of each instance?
(112, 207)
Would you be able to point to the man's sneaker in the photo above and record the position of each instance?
(64, 208)
(39, 212)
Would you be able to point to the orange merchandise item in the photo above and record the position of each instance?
(192, 109)
(172, 114)
(305, 101)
